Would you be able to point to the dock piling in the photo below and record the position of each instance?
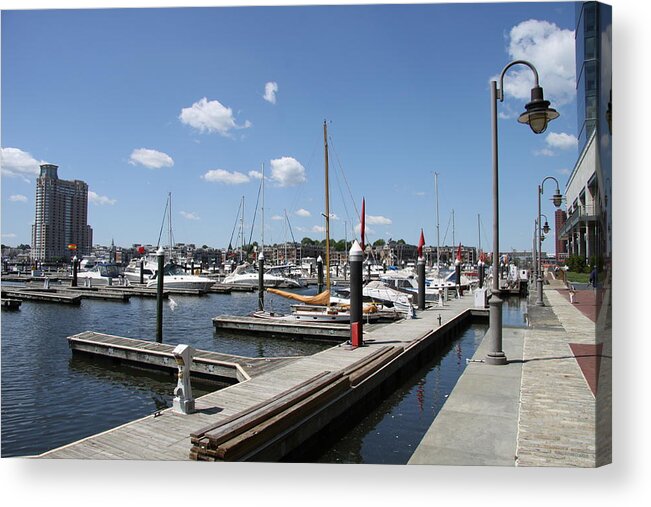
(160, 255)
(356, 257)
(261, 281)
(421, 283)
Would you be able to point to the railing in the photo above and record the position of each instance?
(583, 212)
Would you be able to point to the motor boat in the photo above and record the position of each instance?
(175, 277)
(100, 274)
(132, 271)
(246, 275)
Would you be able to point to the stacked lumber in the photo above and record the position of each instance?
(240, 435)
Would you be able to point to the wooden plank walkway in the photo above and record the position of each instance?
(159, 355)
(255, 325)
(44, 295)
(167, 436)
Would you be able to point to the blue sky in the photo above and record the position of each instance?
(142, 102)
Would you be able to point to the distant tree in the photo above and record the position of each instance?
(401, 242)
(307, 241)
(205, 247)
(340, 246)
(22, 246)
(379, 242)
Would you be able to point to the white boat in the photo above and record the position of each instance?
(99, 274)
(379, 292)
(175, 277)
(246, 275)
(132, 271)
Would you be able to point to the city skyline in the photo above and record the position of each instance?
(195, 101)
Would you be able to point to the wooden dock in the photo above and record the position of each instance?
(44, 295)
(280, 412)
(227, 367)
(11, 304)
(273, 329)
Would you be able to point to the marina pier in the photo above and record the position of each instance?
(362, 373)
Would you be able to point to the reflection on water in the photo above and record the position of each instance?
(50, 399)
(390, 433)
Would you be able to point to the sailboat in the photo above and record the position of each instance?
(246, 274)
(174, 276)
(322, 307)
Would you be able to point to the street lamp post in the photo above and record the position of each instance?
(557, 198)
(537, 115)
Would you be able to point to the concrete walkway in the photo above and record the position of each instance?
(549, 406)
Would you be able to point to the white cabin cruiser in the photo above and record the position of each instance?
(246, 275)
(175, 277)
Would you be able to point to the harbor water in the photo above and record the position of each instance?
(50, 398)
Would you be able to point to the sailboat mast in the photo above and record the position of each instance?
(453, 240)
(242, 232)
(262, 239)
(478, 234)
(169, 223)
(438, 245)
(327, 206)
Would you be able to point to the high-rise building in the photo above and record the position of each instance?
(61, 217)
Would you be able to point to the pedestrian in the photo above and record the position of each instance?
(593, 277)
(572, 293)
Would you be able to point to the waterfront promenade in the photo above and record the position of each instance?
(549, 406)
(166, 435)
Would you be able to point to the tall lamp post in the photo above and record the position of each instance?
(557, 199)
(537, 115)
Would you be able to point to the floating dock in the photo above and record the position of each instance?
(143, 353)
(283, 411)
(11, 304)
(271, 328)
(41, 295)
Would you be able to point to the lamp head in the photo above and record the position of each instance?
(546, 227)
(538, 113)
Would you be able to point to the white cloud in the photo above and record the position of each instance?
(278, 217)
(378, 220)
(419, 194)
(255, 175)
(317, 228)
(18, 198)
(270, 90)
(9, 235)
(189, 215)
(564, 171)
(18, 163)
(211, 116)
(100, 200)
(551, 50)
(561, 141)
(226, 177)
(287, 171)
(151, 159)
(368, 230)
(545, 152)
(302, 213)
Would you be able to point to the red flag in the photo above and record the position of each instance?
(363, 225)
(459, 253)
(421, 243)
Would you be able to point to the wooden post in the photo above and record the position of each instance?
(160, 255)
(421, 283)
(261, 281)
(319, 271)
(75, 263)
